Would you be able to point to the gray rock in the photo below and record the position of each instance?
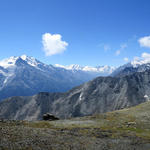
(100, 95)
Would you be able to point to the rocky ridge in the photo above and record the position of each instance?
(100, 95)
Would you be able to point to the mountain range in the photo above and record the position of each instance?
(25, 76)
(99, 70)
(102, 94)
(131, 67)
(127, 86)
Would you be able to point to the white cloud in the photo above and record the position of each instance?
(144, 41)
(126, 59)
(145, 58)
(122, 47)
(53, 44)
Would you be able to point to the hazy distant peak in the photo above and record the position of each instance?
(99, 69)
(70, 67)
(144, 59)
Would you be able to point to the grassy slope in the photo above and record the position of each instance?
(123, 129)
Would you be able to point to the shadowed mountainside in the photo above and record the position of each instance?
(102, 94)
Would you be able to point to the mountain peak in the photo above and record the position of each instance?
(24, 57)
(30, 60)
(11, 61)
(8, 62)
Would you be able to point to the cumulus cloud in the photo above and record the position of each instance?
(145, 58)
(122, 47)
(53, 44)
(126, 59)
(144, 41)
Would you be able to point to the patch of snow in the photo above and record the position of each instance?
(30, 60)
(60, 66)
(9, 62)
(7, 78)
(73, 67)
(24, 57)
(88, 68)
(146, 97)
(2, 72)
(80, 97)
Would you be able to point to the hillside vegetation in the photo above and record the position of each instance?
(126, 129)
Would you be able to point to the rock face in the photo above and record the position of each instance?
(100, 95)
(49, 117)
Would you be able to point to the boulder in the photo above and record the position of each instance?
(49, 117)
(129, 124)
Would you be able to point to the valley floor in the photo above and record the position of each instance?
(127, 129)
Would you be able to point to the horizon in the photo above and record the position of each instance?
(87, 33)
(145, 59)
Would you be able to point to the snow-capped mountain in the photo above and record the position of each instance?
(137, 65)
(100, 95)
(11, 62)
(25, 76)
(102, 70)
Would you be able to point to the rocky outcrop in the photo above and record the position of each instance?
(49, 117)
(100, 95)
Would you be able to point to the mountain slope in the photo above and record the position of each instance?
(100, 95)
(25, 76)
(126, 129)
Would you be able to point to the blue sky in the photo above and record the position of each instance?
(88, 32)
